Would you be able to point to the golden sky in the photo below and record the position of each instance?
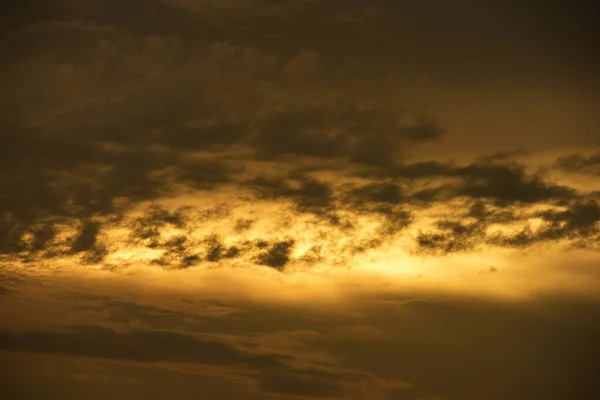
(260, 199)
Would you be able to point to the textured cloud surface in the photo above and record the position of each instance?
(299, 199)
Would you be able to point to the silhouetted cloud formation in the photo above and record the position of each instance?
(579, 163)
(308, 199)
(140, 345)
(274, 372)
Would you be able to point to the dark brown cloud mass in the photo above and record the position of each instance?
(579, 163)
(236, 181)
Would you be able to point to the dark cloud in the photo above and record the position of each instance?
(10, 235)
(276, 254)
(301, 132)
(581, 216)
(53, 181)
(508, 184)
(579, 163)
(183, 251)
(275, 372)
(387, 193)
(243, 224)
(501, 182)
(308, 194)
(338, 208)
(454, 237)
(493, 191)
(216, 250)
(364, 136)
(42, 236)
(86, 238)
(97, 380)
(179, 252)
(86, 241)
(488, 213)
(147, 228)
(422, 129)
(161, 317)
(579, 223)
(140, 345)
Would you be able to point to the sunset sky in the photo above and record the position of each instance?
(309, 199)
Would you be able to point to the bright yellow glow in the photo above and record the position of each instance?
(326, 268)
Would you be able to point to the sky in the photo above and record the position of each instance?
(310, 199)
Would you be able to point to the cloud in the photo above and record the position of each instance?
(366, 136)
(85, 181)
(385, 192)
(581, 216)
(364, 346)
(308, 194)
(277, 254)
(140, 345)
(579, 223)
(454, 236)
(422, 129)
(86, 237)
(501, 182)
(419, 340)
(508, 184)
(125, 118)
(86, 241)
(118, 117)
(579, 163)
(263, 199)
(272, 372)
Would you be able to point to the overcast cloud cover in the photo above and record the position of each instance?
(304, 199)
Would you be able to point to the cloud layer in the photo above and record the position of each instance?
(298, 200)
